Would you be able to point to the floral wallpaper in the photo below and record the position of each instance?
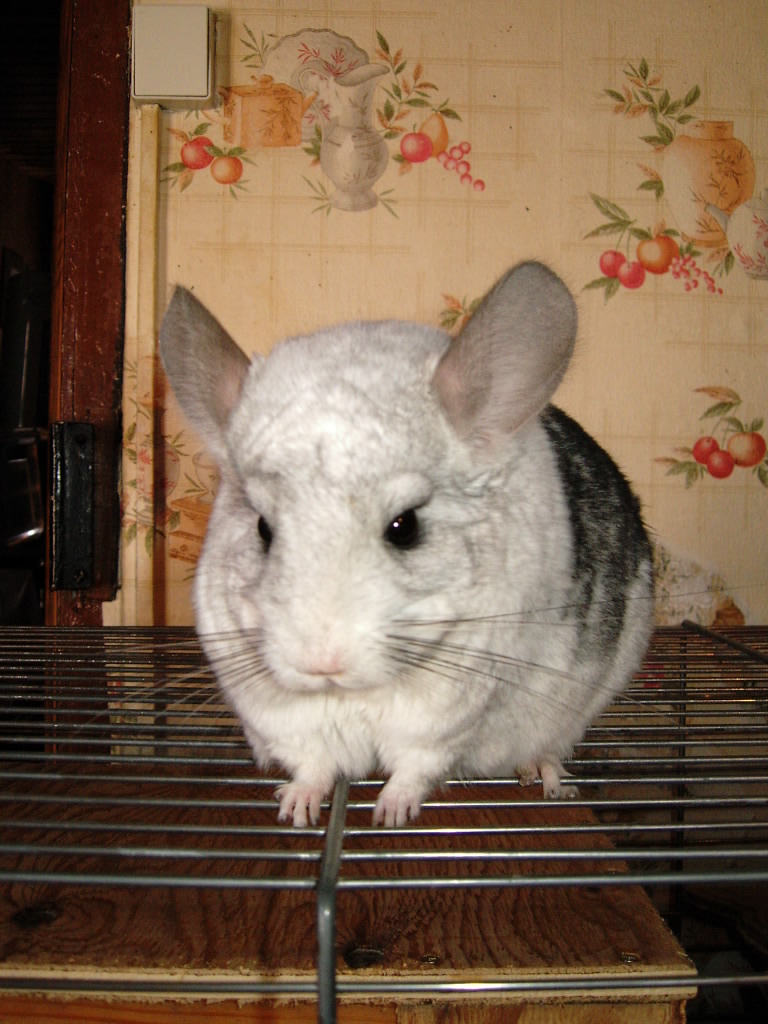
(367, 160)
(318, 90)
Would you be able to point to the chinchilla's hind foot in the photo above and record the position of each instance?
(549, 769)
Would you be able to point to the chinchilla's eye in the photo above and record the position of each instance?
(265, 532)
(403, 532)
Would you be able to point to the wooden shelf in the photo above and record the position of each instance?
(113, 934)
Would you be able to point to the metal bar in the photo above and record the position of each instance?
(156, 881)
(723, 638)
(707, 829)
(159, 853)
(386, 986)
(557, 881)
(327, 887)
(466, 857)
(707, 802)
(208, 881)
(208, 780)
(326, 906)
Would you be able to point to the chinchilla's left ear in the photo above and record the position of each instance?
(506, 363)
(204, 365)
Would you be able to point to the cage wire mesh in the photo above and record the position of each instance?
(123, 771)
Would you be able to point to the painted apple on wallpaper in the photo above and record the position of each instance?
(198, 152)
(724, 445)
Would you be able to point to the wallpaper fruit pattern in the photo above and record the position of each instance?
(419, 142)
(706, 225)
(198, 151)
(700, 175)
(703, 182)
(318, 92)
(725, 445)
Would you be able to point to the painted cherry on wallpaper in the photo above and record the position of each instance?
(725, 446)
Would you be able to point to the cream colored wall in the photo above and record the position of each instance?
(528, 81)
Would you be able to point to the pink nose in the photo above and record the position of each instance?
(324, 663)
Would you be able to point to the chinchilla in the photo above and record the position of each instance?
(415, 564)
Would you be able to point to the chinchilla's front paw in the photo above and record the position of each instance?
(300, 803)
(398, 803)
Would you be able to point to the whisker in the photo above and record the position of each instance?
(549, 703)
(495, 657)
(538, 616)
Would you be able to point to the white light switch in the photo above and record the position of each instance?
(173, 55)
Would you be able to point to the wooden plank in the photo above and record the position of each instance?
(420, 934)
(88, 285)
(35, 1009)
(572, 928)
(549, 1013)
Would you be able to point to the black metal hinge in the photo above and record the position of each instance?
(72, 446)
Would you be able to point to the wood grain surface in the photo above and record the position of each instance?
(234, 930)
(31, 1010)
(89, 267)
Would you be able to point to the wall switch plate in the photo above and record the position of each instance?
(172, 55)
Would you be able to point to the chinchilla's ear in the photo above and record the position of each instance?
(204, 365)
(506, 363)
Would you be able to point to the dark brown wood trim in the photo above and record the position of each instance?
(89, 267)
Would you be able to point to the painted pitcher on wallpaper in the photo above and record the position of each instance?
(352, 154)
(706, 166)
(747, 232)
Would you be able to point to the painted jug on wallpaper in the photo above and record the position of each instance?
(352, 154)
(747, 232)
(706, 165)
(266, 113)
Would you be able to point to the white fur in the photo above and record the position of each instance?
(330, 439)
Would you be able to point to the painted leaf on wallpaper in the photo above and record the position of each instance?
(726, 444)
(643, 94)
(705, 174)
(456, 312)
(256, 50)
(318, 92)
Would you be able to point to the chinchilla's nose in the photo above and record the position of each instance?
(323, 661)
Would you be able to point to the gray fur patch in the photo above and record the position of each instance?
(609, 541)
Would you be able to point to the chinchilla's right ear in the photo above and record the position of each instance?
(204, 365)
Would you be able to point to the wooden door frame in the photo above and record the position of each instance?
(89, 268)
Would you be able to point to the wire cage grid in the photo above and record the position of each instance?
(123, 770)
